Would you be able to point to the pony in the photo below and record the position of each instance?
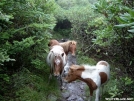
(52, 43)
(56, 59)
(68, 46)
(93, 76)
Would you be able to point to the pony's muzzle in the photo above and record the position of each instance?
(73, 54)
(56, 75)
(65, 74)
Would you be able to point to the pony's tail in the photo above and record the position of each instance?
(52, 59)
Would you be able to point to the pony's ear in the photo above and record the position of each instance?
(70, 43)
(62, 54)
(80, 67)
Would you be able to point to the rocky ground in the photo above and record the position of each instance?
(74, 91)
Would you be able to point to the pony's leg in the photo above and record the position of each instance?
(63, 84)
(97, 94)
(90, 98)
(60, 82)
(50, 76)
(101, 92)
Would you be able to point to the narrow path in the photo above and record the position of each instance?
(74, 91)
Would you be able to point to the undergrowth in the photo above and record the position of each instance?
(30, 86)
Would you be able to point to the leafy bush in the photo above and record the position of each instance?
(34, 85)
(25, 28)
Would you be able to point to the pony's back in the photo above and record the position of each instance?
(69, 46)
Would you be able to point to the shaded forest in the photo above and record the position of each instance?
(103, 29)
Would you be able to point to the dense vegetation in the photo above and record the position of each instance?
(25, 27)
(104, 29)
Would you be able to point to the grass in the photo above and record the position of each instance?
(31, 87)
(85, 60)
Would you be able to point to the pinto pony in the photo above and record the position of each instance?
(68, 46)
(56, 59)
(93, 76)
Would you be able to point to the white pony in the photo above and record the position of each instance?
(56, 59)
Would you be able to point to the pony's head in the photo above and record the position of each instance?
(58, 64)
(69, 46)
(72, 47)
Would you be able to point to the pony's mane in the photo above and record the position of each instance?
(74, 42)
(66, 44)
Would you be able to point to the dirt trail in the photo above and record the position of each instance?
(74, 91)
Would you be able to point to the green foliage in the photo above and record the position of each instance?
(127, 86)
(25, 28)
(34, 85)
(85, 60)
(114, 91)
(126, 21)
(116, 33)
(68, 4)
(4, 57)
(127, 81)
(119, 88)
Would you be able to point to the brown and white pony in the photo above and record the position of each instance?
(56, 59)
(93, 76)
(68, 46)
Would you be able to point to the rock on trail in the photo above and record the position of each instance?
(74, 91)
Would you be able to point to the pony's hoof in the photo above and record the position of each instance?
(63, 88)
